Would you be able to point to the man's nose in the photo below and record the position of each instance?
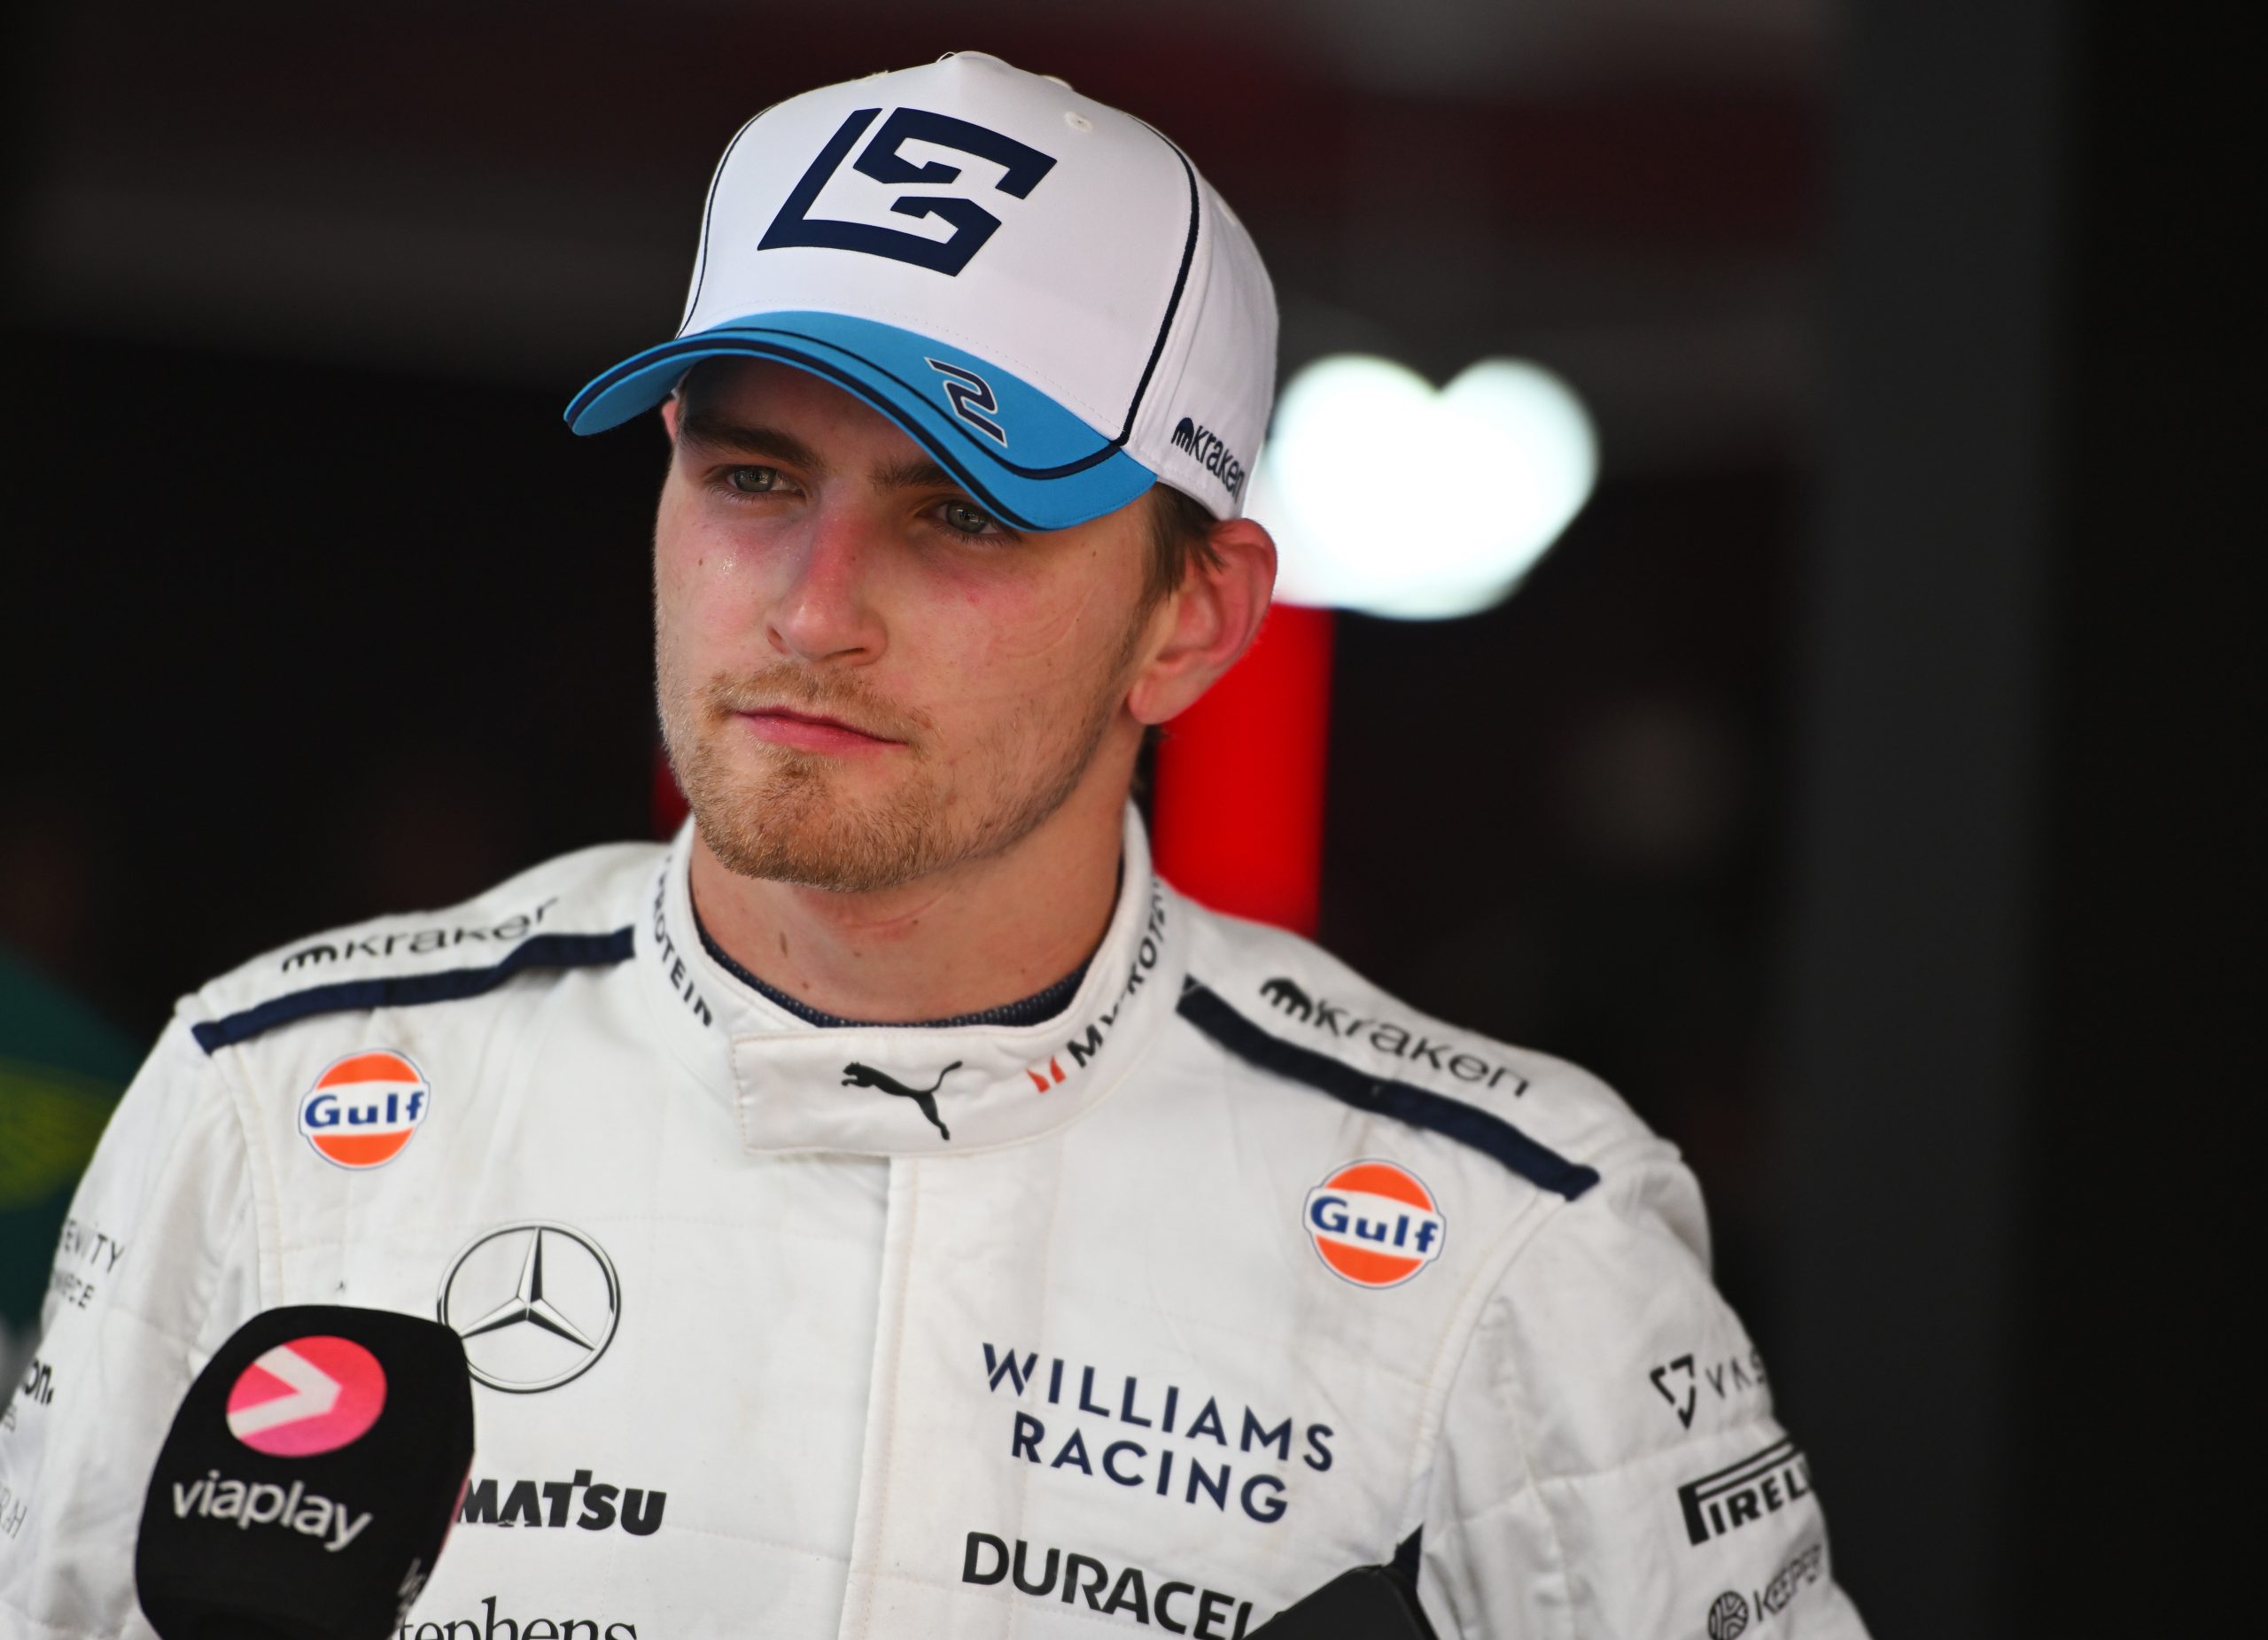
(824, 610)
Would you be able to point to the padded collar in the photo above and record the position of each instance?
(914, 1090)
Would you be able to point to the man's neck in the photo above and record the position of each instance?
(975, 936)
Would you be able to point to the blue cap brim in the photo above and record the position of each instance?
(1022, 457)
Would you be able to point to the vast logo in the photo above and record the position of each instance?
(313, 1395)
(1758, 1485)
(535, 1304)
(1678, 1381)
(1021, 167)
(364, 1108)
(1374, 1224)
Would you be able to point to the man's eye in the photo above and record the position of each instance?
(966, 519)
(754, 480)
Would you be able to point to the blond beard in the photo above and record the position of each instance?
(784, 820)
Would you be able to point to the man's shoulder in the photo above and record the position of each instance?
(577, 910)
(1284, 1002)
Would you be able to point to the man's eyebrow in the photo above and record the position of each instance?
(917, 472)
(713, 431)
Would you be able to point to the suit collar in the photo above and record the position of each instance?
(902, 1090)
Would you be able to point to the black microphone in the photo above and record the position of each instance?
(309, 1479)
(1367, 1603)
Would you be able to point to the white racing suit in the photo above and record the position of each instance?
(1152, 1318)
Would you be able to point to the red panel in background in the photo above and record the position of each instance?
(664, 801)
(1238, 820)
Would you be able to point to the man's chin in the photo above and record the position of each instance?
(796, 827)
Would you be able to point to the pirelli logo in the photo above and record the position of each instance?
(1758, 1485)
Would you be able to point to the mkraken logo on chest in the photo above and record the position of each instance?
(1153, 1437)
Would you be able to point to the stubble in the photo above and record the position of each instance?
(786, 815)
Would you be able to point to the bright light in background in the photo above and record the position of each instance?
(1388, 496)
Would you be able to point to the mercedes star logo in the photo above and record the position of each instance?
(536, 1303)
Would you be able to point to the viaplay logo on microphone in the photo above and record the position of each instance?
(300, 1399)
(309, 1479)
(313, 1395)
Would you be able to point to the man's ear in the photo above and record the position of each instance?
(1209, 622)
(673, 408)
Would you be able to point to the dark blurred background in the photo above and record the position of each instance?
(1856, 785)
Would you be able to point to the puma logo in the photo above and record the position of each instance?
(856, 1075)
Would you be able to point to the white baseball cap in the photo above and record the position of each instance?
(1039, 289)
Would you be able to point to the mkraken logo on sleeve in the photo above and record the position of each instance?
(363, 1109)
(1385, 1036)
(415, 942)
(536, 1304)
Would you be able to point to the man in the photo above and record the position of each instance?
(890, 1210)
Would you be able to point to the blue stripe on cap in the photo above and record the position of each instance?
(1020, 453)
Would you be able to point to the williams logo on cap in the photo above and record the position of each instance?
(1039, 289)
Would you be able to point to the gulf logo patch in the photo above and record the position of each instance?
(1374, 1224)
(364, 1108)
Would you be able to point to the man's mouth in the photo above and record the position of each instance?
(808, 731)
